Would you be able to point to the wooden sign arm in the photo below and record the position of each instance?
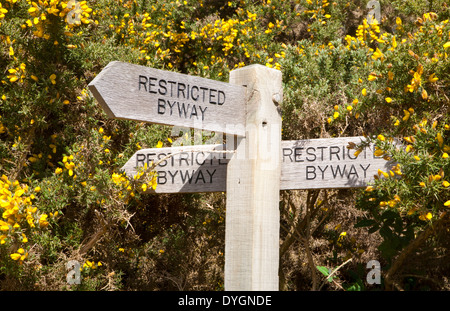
(165, 158)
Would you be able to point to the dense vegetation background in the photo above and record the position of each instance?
(62, 197)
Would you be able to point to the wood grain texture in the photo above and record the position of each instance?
(328, 163)
(305, 164)
(184, 169)
(133, 92)
(253, 187)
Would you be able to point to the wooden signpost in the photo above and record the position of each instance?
(305, 164)
(183, 169)
(252, 172)
(328, 163)
(133, 92)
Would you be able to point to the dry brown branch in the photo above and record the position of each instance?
(85, 247)
(390, 277)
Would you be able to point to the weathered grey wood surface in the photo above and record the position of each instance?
(328, 163)
(183, 169)
(133, 92)
(253, 187)
(305, 164)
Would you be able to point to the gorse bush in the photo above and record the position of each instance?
(63, 197)
(20, 218)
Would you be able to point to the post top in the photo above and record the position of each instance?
(257, 67)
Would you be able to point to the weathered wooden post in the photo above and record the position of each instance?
(261, 164)
(253, 186)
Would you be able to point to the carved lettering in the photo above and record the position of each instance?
(287, 152)
(311, 172)
(181, 99)
(181, 88)
(150, 159)
(182, 110)
(161, 156)
(194, 97)
(212, 96)
(173, 175)
(140, 158)
(308, 152)
(172, 84)
(194, 112)
(185, 168)
(335, 152)
(352, 172)
(202, 110)
(200, 176)
(143, 82)
(171, 104)
(298, 154)
(161, 106)
(321, 152)
(186, 177)
(338, 171)
(323, 171)
(162, 87)
(221, 98)
(364, 169)
(211, 174)
(186, 111)
(150, 84)
(161, 177)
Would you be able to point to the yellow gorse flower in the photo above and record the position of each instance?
(43, 220)
(53, 78)
(18, 214)
(73, 15)
(416, 81)
(3, 11)
(377, 54)
(426, 216)
(372, 77)
(432, 78)
(70, 166)
(440, 139)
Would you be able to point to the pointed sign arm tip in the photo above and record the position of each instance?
(133, 92)
(93, 87)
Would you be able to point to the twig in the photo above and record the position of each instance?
(334, 271)
(22, 158)
(413, 245)
(309, 205)
(325, 201)
(110, 286)
(95, 238)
